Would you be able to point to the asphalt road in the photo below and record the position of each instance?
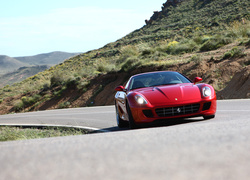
(92, 118)
(192, 149)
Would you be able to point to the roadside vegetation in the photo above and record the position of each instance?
(193, 27)
(20, 133)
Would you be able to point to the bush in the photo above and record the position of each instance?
(227, 55)
(18, 106)
(105, 68)
(130, 64)
(64, 105)
(235, 52)
(215, 43)
(185, 47)
(196, 58)
(175, 47)
(147, 51)
(46, 86)
(58, 78)
(171, 47)
(238, 30)
(201, 39)
(73, 82)
(28, 101)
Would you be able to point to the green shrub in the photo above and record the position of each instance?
(215, 43)
(73, 82)
(235, 52)
(28, 101)
(238, 30)
(201, 39)
(175, 47)
(147, 51)
(246, 43)
(247, 63)
(130, 64)
(196, 58)
(185, 47)
(105, 67)
(83, 85)
(58, 78)
(170, 49)
(227, 55)
(18, 106)
(64, 105)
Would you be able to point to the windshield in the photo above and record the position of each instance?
(157, 79)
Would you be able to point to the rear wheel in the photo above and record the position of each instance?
(120, 123)
(209, 117)
(132, 124)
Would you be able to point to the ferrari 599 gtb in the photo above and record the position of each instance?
(162, 95)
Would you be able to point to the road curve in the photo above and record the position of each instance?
(92, 118)
(194, 149)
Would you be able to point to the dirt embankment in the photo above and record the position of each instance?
(230, 77)
(239, 86)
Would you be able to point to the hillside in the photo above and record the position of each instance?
(8, 64)
(210, 39)
(51, 58)
(20, 74)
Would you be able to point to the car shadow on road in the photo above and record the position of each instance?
(160, 123)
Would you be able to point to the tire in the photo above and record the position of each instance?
(209, 117)
(132, 124)
(120, 123)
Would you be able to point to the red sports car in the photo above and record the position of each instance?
(161, 95)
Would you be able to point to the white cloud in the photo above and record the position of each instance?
(67, 29)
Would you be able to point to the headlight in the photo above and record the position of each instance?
(206, 91)
(140, 100)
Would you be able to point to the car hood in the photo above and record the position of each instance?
(171, 93)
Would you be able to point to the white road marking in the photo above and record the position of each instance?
(54, 125)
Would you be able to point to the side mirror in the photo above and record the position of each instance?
(197, 79)
(119, 88)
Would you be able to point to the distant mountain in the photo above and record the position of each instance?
(52, 58)
(15, 69)
(21, 74)
(9, 64)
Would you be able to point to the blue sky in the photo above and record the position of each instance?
(29, 27)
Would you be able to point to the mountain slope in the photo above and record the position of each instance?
(52, 58)
(187, 17)
(8, 64)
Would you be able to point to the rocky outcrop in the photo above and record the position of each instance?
(157, 14)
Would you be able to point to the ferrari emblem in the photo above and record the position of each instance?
(179, 110)
(176, 99)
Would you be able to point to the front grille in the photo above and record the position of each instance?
(175, 111)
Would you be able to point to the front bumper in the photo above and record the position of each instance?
(194, 109)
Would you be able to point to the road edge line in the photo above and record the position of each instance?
(54, 125)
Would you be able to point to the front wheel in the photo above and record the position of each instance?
(120, 123)
(209, 117)
(132, 124)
